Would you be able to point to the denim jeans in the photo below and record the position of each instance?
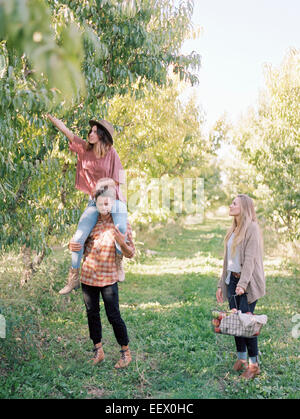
(88, 221)
(241, 303)
(110, 296)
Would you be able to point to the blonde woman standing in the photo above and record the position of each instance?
(243, 275)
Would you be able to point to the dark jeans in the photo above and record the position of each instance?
(240, 302)
(110, 296)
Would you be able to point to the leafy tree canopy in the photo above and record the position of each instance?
(71, 58)
(269, 140)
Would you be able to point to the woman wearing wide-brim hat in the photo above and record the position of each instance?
(98, 164)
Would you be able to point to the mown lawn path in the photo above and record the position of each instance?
(166, 303)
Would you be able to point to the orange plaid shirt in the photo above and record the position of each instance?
(99, 264)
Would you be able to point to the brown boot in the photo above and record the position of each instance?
(125, 359)
(99, 354)
(73, 282)
(119, 263)
(251, 372)
(240, 365)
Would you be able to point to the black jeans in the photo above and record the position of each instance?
(110, 296)
(241, 303)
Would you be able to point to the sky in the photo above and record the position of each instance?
(238, 37)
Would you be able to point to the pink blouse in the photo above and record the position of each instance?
(90, 168)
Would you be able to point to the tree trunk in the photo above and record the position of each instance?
(63, 191)
(30, 263)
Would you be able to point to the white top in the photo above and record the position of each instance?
(233, 262)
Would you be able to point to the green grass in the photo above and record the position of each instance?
(166, 302)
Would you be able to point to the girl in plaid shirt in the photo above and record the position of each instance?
(99, 275)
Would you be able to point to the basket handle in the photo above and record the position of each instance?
(236, 295)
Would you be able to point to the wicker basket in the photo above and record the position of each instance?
(229, 323)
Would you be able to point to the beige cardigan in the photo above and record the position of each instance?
(252, 275)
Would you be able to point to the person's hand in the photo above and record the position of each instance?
(239, 291)
(49, 117)
(106, 181)
(119, 237)
(219, 295)
(74, 247)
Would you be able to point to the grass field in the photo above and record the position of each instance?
(166, 302)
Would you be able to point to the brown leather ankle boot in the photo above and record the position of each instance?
(240, 365)
(125, 359)
(99, 354)
(251, 372)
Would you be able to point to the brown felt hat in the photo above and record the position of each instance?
(106, 126)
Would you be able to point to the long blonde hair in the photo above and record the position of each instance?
(248, 215)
